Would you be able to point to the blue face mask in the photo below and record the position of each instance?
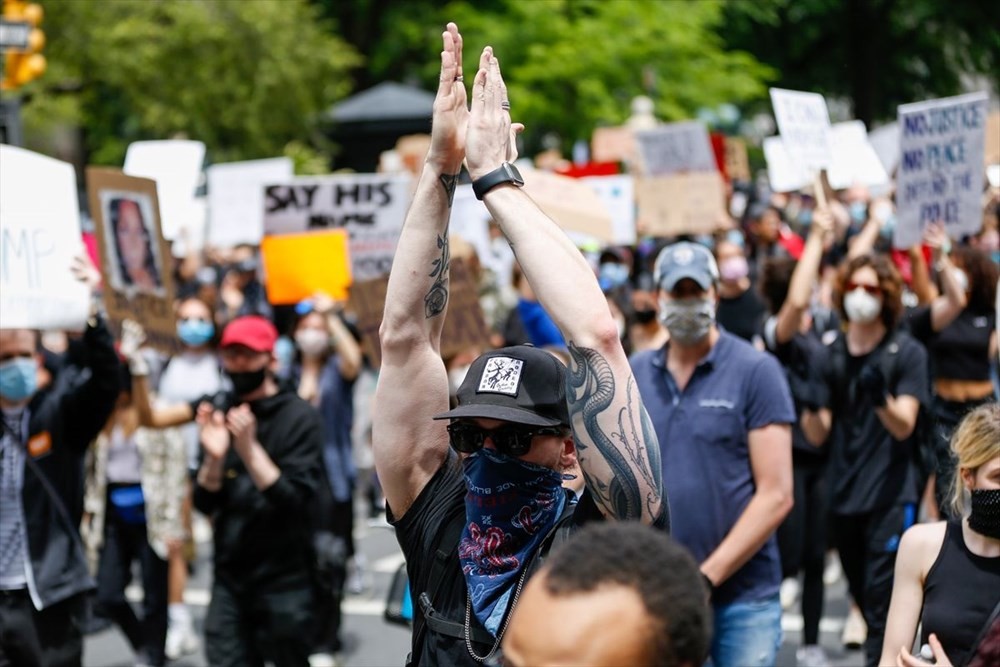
(18, 379)
(805, 217)
(888, 227)
(859, 212)
(613, 274)
(195, 332)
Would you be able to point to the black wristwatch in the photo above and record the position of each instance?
(505, 173)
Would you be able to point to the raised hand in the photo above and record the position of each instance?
(936, 237)
(85, 271)
(451, 111)
(492, 136)
(214, 434)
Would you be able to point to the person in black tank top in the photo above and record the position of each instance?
(948, 573)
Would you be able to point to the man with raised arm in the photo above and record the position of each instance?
(476, 493)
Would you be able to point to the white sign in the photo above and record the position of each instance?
(370, 206)
(39, 236)
(783, 173)
(885, 141)
(236, 199)
(804, 125)
(618, 195)
(176, 167)
(854, 158)
(674, 147)
(470, 219)
(940, 176)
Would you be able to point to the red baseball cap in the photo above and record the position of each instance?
(251, 331)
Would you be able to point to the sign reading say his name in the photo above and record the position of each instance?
(39, 236)
(371, 207)
(940, 175)
(804, 125)
(675, 147)
(464, 325)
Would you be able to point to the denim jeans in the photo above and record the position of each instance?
(747, 634)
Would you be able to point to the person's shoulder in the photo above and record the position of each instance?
(905, 344)
(735, 350)
(923, 541)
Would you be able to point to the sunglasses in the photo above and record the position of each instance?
(508, 440)
(874, 290)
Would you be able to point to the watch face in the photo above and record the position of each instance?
(515, 175)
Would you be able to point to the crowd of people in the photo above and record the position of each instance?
(787, 392)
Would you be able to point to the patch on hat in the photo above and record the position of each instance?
(502, 375)
(683, 256)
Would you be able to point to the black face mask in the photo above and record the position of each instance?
(985, 515)
(247, 382)
(645, 316)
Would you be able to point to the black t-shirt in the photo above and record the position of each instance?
(419, 535)
(869, 469)
(742, 315)
(960, 351)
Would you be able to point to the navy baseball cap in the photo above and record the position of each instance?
(685, 260)
(520, 384)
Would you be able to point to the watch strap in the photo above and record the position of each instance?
(505, 173)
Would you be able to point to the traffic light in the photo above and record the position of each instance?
(23, 60)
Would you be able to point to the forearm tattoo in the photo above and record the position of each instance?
(449, 182)
(631, 451)
(437, 296)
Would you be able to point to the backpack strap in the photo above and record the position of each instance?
(447, 543)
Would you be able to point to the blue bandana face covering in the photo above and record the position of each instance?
(510, 507)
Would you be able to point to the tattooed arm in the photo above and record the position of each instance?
(616, 444)
(408, 445)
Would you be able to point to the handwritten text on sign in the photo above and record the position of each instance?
(941, 166)
(370, 207)
(804, 124)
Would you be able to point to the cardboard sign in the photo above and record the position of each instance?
(675, 147)
(371, 207)
(39, 236)
(135, 258)
(804, 125)
(296, 266)
(940, 175)
(236, 199)
(992, 149)
(571, 203)
(464, 324)
(854, 159)
(613, 144)
(618, 195)
(681, 204)
(176, 167)
(736, 160)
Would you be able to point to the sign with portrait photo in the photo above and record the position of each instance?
(135, 258)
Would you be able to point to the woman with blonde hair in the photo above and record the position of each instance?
(948, 572)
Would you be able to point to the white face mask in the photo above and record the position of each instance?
(862, 307)
(962, 279)
(312, 342)
(456, 376)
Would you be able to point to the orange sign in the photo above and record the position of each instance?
(297, 266)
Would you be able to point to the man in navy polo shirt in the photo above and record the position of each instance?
(721, 411)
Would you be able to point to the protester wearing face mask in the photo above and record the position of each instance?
(958, 328)
(741, 311)
(721, 411)
(877, 380)
(261, 467)
(43, 437)
(327, 361)
(948, 572)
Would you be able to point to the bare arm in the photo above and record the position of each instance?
(770, 451)
(789, 319)
(616, 444)
(922, 286)
(946, 307)
(348, 350)
(908, 588)
(150, 417)
(816, 425)
(408, 445)
(899, 415)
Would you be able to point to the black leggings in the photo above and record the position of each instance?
(802, 538)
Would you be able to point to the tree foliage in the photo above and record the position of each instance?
(247, 78)
(875, 53)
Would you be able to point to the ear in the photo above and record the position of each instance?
(968, 478)
(567, 458)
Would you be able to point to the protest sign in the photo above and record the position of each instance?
(783, 174)
(992, 148)
(737, 162)
(613, 144)
(236, 198)
(940, 175)
(572, 204)
(804, 124)
(464, 325)
(675, 147)
(176, 167)
(885, 143)
(854, 158)
(681, 204)
(135, 258)
(39, 236)
(296, 266)
(618, 195)
(371, 207)
(470, 220)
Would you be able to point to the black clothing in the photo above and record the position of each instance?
(802, 357)
(52, 637)
(869, 469)
(960, 351)
(867, 545)
(418, 535)
(960, 591)
(742, 315)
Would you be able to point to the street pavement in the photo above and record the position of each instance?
(372, 642)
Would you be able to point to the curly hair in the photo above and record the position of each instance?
(982, 274)
(889, 281)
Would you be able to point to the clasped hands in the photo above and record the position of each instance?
(216, 428)
(482, 135)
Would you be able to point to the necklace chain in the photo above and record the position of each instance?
(503, 628)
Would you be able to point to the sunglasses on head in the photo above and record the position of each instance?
(513, 440)
(874, 290)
